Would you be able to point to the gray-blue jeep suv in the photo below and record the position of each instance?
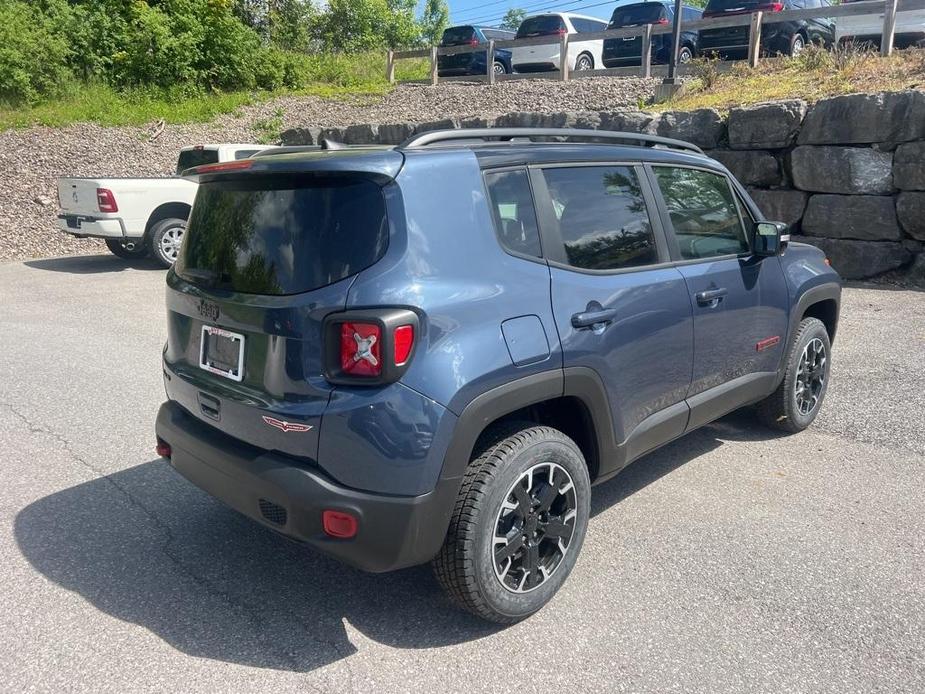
(431, 352)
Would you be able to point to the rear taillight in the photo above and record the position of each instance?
(371, 347)
(772, 7)
(361, 349)
(473, 42)
(106, 201)
(339, 524)
(224, 166)
(662, 20)
(561, 32)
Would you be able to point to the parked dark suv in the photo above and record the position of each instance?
(786, 38)
(473, 63)
(627, 51)
(430, 352)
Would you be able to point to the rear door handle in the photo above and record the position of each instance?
(710, 297)
(588, 319)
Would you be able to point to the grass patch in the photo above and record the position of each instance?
(324, 76)
(815, 74)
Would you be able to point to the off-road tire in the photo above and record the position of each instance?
(117, 248)
(780, 410)
(157, 238)
(465, 566)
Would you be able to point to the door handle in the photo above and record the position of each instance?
(710, 297)
(588, 319)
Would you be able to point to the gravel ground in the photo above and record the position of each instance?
(731, 560)
(32, 159)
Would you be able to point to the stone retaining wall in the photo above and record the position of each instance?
(847, 173)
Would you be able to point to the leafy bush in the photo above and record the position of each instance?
(33, 54)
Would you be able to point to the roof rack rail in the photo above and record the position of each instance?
(431, 137)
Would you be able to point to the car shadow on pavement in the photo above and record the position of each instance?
(92, 264)
(145, 546)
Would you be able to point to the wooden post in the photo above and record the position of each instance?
(889, 28)
(646, 54)
(433, 65)
(490, 61)
(754, 39)
(563, 58)
(390, 66)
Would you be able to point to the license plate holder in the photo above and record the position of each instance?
(222, 352)
(72, 221)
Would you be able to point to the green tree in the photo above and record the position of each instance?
(512, 18)
(360, 25)
(435, 18)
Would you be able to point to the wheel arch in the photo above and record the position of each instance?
(820, 302)
(572, 400)
(180, 210)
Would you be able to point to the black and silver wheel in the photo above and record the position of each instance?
(797, 44)
(499, 68)
(518, 524)
(165, 238)
(584, 62)
(130, 250)
(685, 55)
(796, 402)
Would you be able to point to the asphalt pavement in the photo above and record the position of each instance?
(732, 560)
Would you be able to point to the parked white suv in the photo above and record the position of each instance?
(582, 55)
(138, 216)
(868, 28)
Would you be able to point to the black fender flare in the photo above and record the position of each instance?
(813, 295)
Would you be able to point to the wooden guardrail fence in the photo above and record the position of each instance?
(754, 20)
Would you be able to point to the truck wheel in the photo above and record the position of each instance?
(119, 248)
(518, 524)
(165, 238)
(796, 402)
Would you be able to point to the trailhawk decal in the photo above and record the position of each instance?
(286, 426)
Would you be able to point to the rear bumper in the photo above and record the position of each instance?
(394, 531)
(109, 228)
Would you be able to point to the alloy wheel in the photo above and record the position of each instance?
(811, 375)
(584, 63)
(534, 527)
(170, 242)
(499, 69)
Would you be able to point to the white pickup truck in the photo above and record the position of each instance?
(140, 216)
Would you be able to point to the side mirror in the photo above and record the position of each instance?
(770, 238)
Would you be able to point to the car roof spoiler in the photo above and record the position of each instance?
(487, 135)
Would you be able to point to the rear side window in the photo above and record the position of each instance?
(196, 157)
(703, 212)
(282, 234)
(603, 220)
(541, 25)
(512, 208)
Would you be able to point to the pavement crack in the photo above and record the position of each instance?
(248, 612)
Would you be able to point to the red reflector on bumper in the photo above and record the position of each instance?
(163, 449)
(339, 524)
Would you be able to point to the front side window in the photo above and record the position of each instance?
(703, 212)
(602, 217)
(513, 213)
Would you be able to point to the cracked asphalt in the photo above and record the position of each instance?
(731, 560)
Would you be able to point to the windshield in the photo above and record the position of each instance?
(457, 35)
(541, 25)
(196, 157)
(282, 234)
(630, 15)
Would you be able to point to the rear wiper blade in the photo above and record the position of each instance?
(209, 276)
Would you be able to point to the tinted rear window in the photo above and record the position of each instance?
(196, 157)
(720, 6)
(542, 25)
(457, 35)
(646, 13)
(282, 234)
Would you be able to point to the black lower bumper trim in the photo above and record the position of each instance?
(394, 532)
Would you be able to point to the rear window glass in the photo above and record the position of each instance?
(282, 234)
(196, 157)
(543, 25)
(457, 35)
(646, 13)
(717, 6)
